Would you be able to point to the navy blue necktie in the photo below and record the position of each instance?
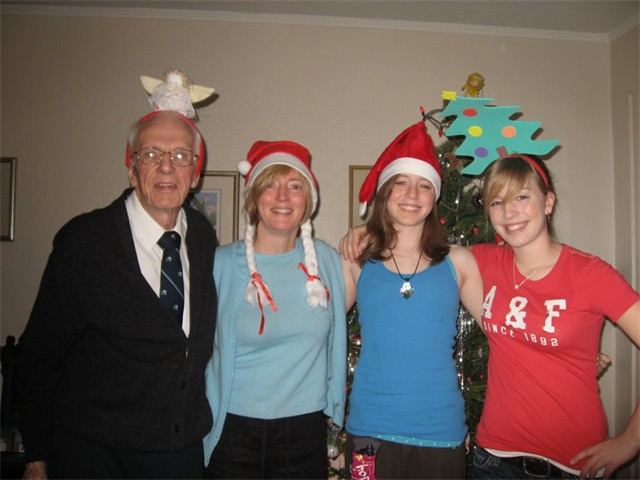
(171, 283)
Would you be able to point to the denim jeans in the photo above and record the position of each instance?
(488, 466)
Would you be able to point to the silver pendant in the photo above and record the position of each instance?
(406, 290)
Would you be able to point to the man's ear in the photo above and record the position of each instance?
(133, 177)
(196, 179)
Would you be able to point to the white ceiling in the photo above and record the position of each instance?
(577, 16)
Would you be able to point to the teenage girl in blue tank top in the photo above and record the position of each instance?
(405, 400)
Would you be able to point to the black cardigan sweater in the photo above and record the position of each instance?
(101, 357)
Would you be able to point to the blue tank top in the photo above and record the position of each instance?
(405, 387)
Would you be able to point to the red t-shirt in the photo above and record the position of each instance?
(542, 395)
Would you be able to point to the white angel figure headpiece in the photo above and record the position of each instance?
(175, 92)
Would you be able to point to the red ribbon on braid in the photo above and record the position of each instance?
(257, 282)
(311, 278)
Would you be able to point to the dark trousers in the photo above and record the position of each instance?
(291, 447)
(400, 461)
(72, 457)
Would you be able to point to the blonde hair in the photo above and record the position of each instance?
(257, 292)
(261, 183)
(513, 173)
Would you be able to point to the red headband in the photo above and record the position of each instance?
(503, 153)
(537, 167)
(149, 116)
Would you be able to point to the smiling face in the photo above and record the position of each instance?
(519, 201)
(163, 188)
(411, 200)
(520, 216)
(279, 201)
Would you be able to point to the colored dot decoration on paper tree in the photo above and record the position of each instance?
(475, 131)
(509, 131)
(487, 128)
(481, 152)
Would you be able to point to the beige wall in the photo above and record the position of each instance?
(70, 90)
(625, 100)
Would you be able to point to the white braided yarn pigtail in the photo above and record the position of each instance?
(317, 293)
(257, 292)
(251, 293)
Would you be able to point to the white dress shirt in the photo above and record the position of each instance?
(146, 233)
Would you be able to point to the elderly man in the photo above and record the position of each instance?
(114, 353)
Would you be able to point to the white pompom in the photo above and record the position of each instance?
(362, 210)
(316, 294)
(244, 167)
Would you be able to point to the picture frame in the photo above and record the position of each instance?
(8, 198)
(357, 174)
(217, 197)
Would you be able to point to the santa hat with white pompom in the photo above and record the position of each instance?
(410, 152)
(262, 155)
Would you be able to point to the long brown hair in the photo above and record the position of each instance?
(383, 235)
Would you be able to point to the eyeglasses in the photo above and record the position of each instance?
(180, 157)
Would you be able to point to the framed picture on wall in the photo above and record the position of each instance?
(8, 198)
(217, 198)
(357, 174)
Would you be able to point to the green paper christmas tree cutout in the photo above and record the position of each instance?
(488, 128)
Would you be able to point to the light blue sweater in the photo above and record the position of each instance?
(298, 365)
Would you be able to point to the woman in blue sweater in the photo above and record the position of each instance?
(405, 400)
(279, 356)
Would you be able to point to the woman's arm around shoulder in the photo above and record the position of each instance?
(469, 280)
(351, 273)
(352, 244)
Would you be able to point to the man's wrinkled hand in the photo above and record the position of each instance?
(35, 471)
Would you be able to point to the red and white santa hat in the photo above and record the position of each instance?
(411, 152)
(280, 152)
(262, 155)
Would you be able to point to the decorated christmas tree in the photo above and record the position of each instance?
(461, 211)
